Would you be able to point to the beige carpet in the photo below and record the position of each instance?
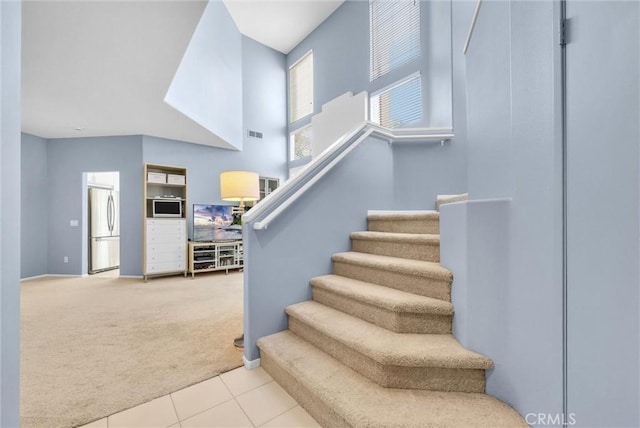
(93, 346)
(373, 348)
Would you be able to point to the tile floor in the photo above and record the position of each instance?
(239, 398)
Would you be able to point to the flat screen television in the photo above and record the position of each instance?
(215, 223)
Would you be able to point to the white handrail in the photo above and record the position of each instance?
(329, 152)
(471, 27)
(321, 165)
(259, 225)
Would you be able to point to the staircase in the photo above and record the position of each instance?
(374, 347)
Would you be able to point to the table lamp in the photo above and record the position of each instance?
(239, 186)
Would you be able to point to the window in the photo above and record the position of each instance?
(300, 143)
(399, 104)
(301, 88)
(394, 34)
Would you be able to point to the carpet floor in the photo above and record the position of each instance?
(94, 346)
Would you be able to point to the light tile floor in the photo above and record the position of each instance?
(239, 398)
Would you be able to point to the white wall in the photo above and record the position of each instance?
(337, 118)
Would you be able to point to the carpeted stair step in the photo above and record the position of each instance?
(450, 199)
(414, 276)
(417, 246)
(435, 362)
(336, 396)
(386, 307)
(404, 221)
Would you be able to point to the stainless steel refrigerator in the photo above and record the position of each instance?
(104, 230)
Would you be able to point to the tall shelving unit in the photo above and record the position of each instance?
(164, 238)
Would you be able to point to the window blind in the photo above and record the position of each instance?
(394, 34)
(399, 104)
(301, 88)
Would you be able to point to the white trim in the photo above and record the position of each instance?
(396, 84)
(300, 59)
(29, 278)
(250, 365)
(46, 275)
(265, 222)
(59, 275)
(292, 146)
(298, 179)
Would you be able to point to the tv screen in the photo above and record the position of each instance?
(215, 223)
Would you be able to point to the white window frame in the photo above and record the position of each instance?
(292, 142)
(309, 110)
(392, 86)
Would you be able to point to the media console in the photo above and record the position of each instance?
(212, 256)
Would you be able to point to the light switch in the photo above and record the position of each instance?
(73, 223)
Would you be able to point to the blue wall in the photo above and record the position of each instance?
(264, 81)
(318, 225)
(514, 151)
(68, 159)
(338, 66)
(34, 207)
(10, 30)
(264, 110)
(208, 82)
(603, 84)
(298, 245)
(341, 59)
(57, 166)
(204, 165)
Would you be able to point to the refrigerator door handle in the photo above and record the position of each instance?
(110, 213)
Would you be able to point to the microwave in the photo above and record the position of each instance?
(167, 208)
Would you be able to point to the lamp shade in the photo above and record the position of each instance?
(239, 186)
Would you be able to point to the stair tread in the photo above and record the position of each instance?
(406, 238)
(385, 346)
(402, 215)
(362, 402)
(380, 296)
(396, 264)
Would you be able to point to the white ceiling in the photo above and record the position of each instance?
(96, 68)
(279, 24)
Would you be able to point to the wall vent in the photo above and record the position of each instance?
(254, 134)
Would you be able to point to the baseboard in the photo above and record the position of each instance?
(29, 278)
(250, 365)
(131, 276)
(49, 275)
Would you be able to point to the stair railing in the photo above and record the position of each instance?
(279, 200)
(472, 27)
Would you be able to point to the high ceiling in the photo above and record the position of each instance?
(95, 68)
(278, 24)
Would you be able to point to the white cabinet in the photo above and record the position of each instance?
(165, 232)
(267, 185)
(166, 246)
(210, 256)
